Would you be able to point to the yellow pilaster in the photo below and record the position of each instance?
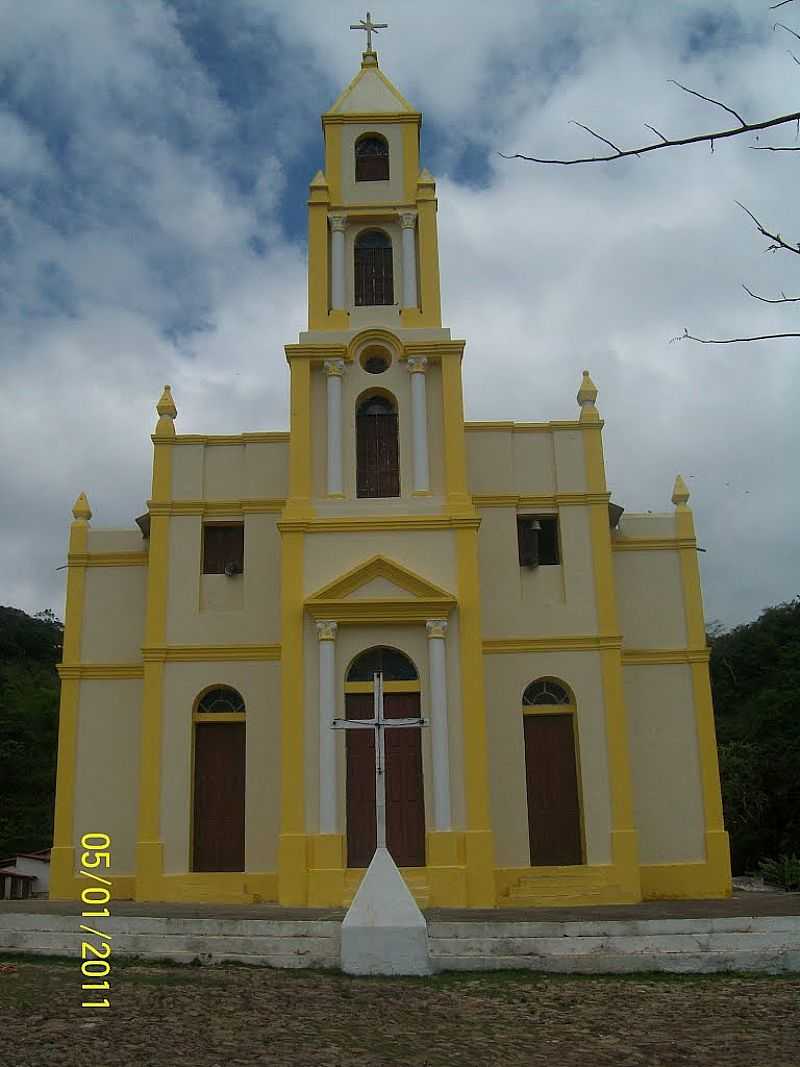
(62, 857)
(718, 878)
(149, 847)
(427, 233)
(624, 837)
(410, 161)
(318, 264)
(455, 446)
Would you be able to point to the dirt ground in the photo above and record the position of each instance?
(229, 1015)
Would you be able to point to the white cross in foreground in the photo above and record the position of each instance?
(370, 27)
(379, 724)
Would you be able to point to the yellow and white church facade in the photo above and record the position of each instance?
(555, 651)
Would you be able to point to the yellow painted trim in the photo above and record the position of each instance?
(455, 448)
(107, 559)
(552, 709)
(573, 886)
(410, 160)
(378, 523)
(379, 611)
(562, 643)
(100, 671)
(123, 886)
(380, 567)
(428, 259)
(506, 426)
(270, 437)
(653, 544)
(332, 134)
(388, 687)
(635, 657)
(149, 847)
(62, 858)
(544, 500)
(223, 887)
(318, 264)
(624, 838)
(317, 353)
(209, 653)
(298, 504)
(221, 716)
(374, 336)
(217, 507)
(292, 860)
(686, 881)
(479, 839)
(379, 117)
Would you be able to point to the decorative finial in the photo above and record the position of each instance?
(369, 27)
(167, 414)
(587, 394)
(680, 493)
(81, 512)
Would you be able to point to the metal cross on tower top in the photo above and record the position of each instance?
(379, 724)
(369, 27)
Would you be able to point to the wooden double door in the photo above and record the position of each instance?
(405, 798)
(219, 797)
(554, 819)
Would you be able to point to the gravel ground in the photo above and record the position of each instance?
(227, 1015)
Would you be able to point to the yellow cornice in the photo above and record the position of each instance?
(271, 437)
(652, 544)
(563, 643)
(545, 500)
(633, 657)
(107, 559)
(379, 523)
(221, 716)
(316, 351)
(209, 653)
(434, 348)
(215, 507)
(528, 427)
(388, 209)
(388, 687)
(361, 117)
(100, 671)
(382, 610)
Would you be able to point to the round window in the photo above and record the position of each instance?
(375, 360)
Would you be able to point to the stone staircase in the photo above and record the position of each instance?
(553, 888)
(414, 877)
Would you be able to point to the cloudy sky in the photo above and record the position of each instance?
(154, 159)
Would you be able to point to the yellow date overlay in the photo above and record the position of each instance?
(95, 895)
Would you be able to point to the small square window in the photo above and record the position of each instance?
(537, 538)
(223, 549)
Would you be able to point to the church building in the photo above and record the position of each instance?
(552, 647)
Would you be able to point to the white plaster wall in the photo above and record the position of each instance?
(534, 462)
(187, 472)
(107, 771)
(244, 609)
(413, 641)
(259, 684)
(570, 463)
(507, 676)
(256, 470)
(528, 463)
(666, 766)
(490, 469)
(223, 472)
(113, 616)
(650, 599)
(542, 601)
(116, 541)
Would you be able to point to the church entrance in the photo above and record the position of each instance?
(219, 796)
(554, 823)
(405, 796)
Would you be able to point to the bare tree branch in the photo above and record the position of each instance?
(778, 241)
(686, 336)
(658, 133)
(597, 135)
(710, 101)
(767, 148)
(782, 299)
(677, 143)
(783, 26)
(773, 7)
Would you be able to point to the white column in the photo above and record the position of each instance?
(337, 260)
(326, 632)
(419, 423)
(334, 369)
(437, 664)
(408, 222)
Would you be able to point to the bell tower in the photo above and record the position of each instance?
(373, 256)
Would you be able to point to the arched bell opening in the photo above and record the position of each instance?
(377, 446)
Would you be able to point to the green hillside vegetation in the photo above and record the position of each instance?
(755, 676)
(29, 651)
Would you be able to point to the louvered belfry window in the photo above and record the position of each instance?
(377, 451)
(374, 282)
(372, 159)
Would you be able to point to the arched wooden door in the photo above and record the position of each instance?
(405, 797)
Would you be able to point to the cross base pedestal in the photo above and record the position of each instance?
(384, 932)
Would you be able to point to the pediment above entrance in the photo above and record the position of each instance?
(380, 590)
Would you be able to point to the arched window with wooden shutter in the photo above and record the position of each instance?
(374, 275)
(372, 158)
(377, 448)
